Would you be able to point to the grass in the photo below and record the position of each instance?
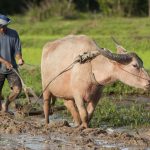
(108, 113)
(32, 56)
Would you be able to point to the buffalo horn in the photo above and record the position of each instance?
(114, 40)
(121, 58)
(120, 49)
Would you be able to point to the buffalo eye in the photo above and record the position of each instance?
(136, 66)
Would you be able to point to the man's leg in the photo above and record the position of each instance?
(15, 84)
(2, 79)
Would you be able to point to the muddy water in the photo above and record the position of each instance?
(30, 133)
(25, 141)
(63, 141)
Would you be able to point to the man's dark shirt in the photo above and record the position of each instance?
(9, 46)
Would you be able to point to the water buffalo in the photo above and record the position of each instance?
(83, 83)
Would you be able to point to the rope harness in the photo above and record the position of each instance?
(85, 57)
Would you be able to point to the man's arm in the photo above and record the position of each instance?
(18, 53)
(20, 59)
(6, 63)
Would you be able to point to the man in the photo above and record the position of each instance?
(10, 50)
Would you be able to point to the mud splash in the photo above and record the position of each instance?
(30, 133)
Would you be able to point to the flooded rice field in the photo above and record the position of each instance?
(30, 133)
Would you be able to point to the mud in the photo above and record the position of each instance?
(30, 133)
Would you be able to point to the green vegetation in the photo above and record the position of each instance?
(42, 9)
(108, 113)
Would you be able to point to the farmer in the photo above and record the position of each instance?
(10, 51)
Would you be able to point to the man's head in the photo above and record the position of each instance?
(4, 21)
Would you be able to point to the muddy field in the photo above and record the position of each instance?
(30, 133)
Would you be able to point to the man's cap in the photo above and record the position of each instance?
(4, 20)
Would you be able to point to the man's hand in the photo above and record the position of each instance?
(8, 65)
(20, 62)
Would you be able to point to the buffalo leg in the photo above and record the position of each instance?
(91, 107)
(73, 110)
(46, 107)
(82, 111)
(92, 104)
(53, 100)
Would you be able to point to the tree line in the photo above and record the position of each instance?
(124, 8)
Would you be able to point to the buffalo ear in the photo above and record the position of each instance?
(121, 50)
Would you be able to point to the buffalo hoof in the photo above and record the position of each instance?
(82, 127)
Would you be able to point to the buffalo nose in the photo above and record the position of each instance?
(149, 82)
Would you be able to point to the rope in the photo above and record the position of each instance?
(14, 70)
(66, 69)
(26, 89)
(133, 74)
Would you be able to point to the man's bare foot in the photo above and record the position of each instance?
(4, 107)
